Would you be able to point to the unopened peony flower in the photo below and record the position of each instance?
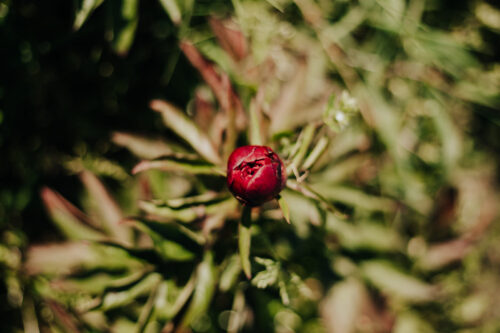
(255, 174)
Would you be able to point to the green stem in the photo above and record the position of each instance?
(244, 240)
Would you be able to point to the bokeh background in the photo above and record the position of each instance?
(68, 80)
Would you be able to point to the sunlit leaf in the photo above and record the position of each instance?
(124, 37)
(268, 276)
(396, 283)
(179, 164)
(141, 146)
(339, 317)
(177, 121)
(276, 4)
(230, 37)
(172, 10)
(71, 221)
(410, 322)
(255, 132)
(354, 197)
(66, 258)
(88, 6)
(364, 235)
(284, 106)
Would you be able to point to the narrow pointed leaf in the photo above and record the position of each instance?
(181, 165)
(68, 257)
(88, 6)
(205, 287)
(397, 283)
(177, 247)
(307, 138)
(147, 310)
(66, 320)
(355, 198)
(283, 108)
(255, 112)
(118, 299)
(141, 146)
(337, 316)
(187, 212)
(364, 235)
(316, 153)
(178, 122)
(244, 240)
(96, 284)
(229, 275)
(230, 38)
(126, 31)
(172, 10)
(284, 209)
(174, 231)
(167, 310)
(69, 219)
(276, 4)
(108, 210)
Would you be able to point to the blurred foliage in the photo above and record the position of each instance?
(386, 114)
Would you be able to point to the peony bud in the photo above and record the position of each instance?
(255, 174)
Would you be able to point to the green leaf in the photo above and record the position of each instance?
(230, 274)
(276, 4)
(69, 257)
(88, 6)
(147, 310)
(181, 165)
(178, 122)
(107, 209)
(316, 153)
(96, 284)
(364, 235)
(174, 246)
(307, 136)
(120, 299)
(354, 197)
(254, 130)
(171, 299)
(172, 10)
(175, 231)
(126, 31)
(284, 107)
(411, 322)
(269, 276)
(337, 316)
(193, 208)
(284, 209)
(244, 240)
(142, 146)
(205, 287)
(69, 219)
(396, 283)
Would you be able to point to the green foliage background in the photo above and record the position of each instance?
(425, 74)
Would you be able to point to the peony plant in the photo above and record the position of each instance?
(199, 243)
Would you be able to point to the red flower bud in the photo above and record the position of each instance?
(255, 174)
